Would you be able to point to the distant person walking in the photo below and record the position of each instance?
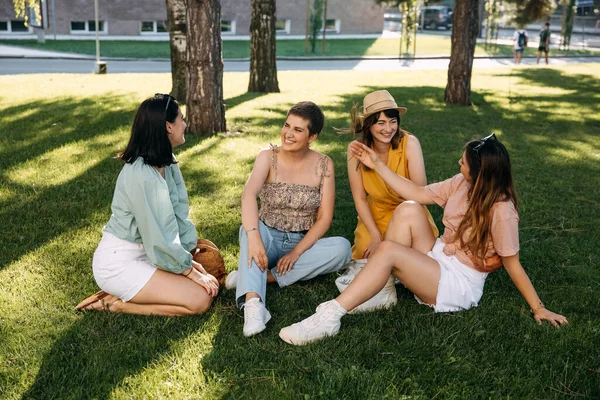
(520, 38)
(544, 45)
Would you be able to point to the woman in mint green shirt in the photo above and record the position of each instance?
(143, 263)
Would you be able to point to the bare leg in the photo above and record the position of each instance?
(164, 294)
(409, 226)
(546, 58)
(538, 57)
(403, 254)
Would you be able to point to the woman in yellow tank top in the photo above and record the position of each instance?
(374, 200)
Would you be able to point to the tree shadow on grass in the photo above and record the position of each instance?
(426, 355)
(233, 102)
(97, 353)
(34, 215)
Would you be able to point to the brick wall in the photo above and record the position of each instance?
(123, 17)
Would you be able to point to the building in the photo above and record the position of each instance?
(147, 18)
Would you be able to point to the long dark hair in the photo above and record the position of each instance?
(149, 138)
(491, 179)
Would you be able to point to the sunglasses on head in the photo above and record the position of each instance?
(482, 141)
(168, 99)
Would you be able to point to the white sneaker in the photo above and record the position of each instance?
(386, 298)
(231, 280)
(325, 322)
(351, 270)
(256, 317)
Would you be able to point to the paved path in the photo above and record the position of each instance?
(10, 66)
(19, 60)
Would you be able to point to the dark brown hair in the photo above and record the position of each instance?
(312, 113)
(361, 126)
(491, 178)
(149, 138)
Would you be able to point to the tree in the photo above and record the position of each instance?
(205, 108)
(263, 66)
(464, 36)
(22, 8)
(177, 25)
(316, 23)
(409, 10)
(567, 23)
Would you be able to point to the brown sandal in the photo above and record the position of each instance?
(91, 300)
(106, 306)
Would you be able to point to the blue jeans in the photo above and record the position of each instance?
(325, 256)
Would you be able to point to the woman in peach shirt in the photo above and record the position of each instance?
(447, 273)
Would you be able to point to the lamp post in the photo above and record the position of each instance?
(100, 65)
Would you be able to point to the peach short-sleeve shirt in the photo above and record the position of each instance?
(452, 196)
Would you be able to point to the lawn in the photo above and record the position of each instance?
(427, 45)
(58, 136)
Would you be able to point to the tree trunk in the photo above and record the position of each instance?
(205, 108)
(263, 67)
(567, 24)
(177, 26)
(464, 35)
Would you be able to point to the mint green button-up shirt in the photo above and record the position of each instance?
(154, 211)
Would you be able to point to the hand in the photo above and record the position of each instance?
(287, 262)
(256, 251)
(364, 154)
(375, 241)
(547, 315)
(207, 281)
(198, 267)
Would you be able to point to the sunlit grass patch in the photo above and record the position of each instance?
(59, 134)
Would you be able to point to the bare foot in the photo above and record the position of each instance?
(105, 304)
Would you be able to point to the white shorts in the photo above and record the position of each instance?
(460, 286)
(120, 267)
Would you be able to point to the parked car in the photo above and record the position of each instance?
(434, 17)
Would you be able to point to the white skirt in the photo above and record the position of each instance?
(120, 267)
(460, 286)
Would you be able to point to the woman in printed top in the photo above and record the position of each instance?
(375, 201)
(143, 263)
(282, 241)
(447, 273)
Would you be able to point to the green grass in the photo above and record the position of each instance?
(427, 45)
(58, 134)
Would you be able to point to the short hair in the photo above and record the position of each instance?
(312, 113)
(547, 24)
(149, 137)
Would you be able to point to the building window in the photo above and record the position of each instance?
(14, 26)
(228, 26)
(283, 25)
(161, 27)
(152, 27)
(87, 27)
(92, 26)
(333, 25)
(18, 26)
(78, 26)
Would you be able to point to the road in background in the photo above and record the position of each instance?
(11, 66)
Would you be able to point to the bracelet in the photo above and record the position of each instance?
(538, 308)
(188, 274)
(250, 230)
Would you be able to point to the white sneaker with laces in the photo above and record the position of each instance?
(325, 322)
(385, 299)
(351, 270)
(231, 280)
(256, 317)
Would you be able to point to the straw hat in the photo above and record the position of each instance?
(380, 100)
